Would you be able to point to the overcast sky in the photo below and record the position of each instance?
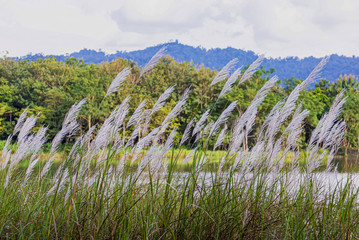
(272, 27)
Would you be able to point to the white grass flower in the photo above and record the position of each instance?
(5, 149)
(46, 167)
(271, 119)
(152, 63)
(144, 142)
(58, 139)
(169, 141)
(200, 123)
(230, 82)
(223, 161)
(73, 113)
(187, 132)
(201, 162)
(59, 186)
(266, 88)
(162, 99)
(121, 164)
(69, 126)
(136, 116)
(251, 69)
(221, 75)
(134, 135)
(179, 106)
(220, 138)
(291, 100)
(6, 159)
(26, 128)
(189, 156)
(20, 121)
(223, 117)
(117, 82)
(29, 170)
(158, 137)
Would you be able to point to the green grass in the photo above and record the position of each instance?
(177, 206)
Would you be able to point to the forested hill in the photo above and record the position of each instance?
(217, 58)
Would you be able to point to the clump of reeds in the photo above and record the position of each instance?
(252, 193)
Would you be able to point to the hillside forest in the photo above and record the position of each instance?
(216, 58)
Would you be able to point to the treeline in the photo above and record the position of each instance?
(49, 88)
(216, 58)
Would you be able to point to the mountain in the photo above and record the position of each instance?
(217, 58)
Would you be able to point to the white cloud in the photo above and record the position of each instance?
(162, 16)
(276, 28)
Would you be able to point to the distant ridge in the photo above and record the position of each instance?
(217, 58)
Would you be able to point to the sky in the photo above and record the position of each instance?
(275, 28)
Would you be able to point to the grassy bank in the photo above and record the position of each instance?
(172, 206)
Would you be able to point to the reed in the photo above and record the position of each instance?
(125, 181)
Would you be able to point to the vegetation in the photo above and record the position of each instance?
(121, 179)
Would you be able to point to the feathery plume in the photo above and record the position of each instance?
(221, 75)
(248, 117)
(121, 164)
(58, 139)
(117, 82)
(223, 161)
(5, 150)
(189, 156)
(120, 114)
(20, 121)
(220, 138)
(223, 117)
(240, 157)
(136, 116)
(271, 118)
(202, 134)
(144, 142)
(152, 63)
(187, 132)
(71, 115)
(145, 119)
(26, 128)
(296, 121)
(200, 123)
(315, 74)
(46, 167)
(162, 99)
(151, 154)
(274, 153)
(6, 159)
(29, 170)
(163, 128)
(169, 142)
(230, 82)
(133, 137)
(266, 88)
(324, 127)
(179, 106)
(62, 183)
(291, 100)
(251, 69)
(69, 126)
(201, 162)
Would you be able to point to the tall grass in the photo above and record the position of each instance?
(124, 181)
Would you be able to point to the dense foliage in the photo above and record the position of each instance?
(51, 87)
